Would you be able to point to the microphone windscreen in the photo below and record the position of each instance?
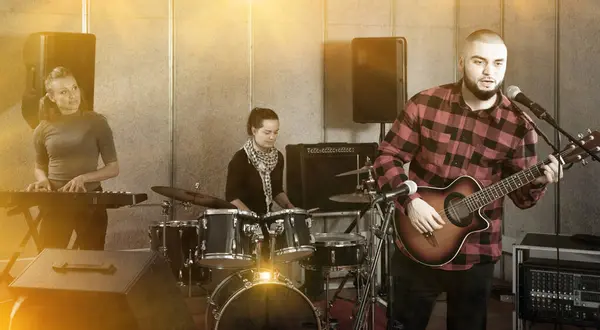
(512, 92)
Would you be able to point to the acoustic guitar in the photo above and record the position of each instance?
(460, 204)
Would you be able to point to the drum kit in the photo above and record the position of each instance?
(256, 295)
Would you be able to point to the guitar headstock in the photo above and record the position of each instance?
(573, 153)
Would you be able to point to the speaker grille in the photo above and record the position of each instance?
(312, 169)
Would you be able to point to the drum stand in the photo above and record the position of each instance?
(257, 237)
(329, 303)
(187, 264)
(166, 207)
(277, 229)
(369, 294)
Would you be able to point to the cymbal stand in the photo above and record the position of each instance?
(373, 256)
(166, 207)
(369, 295)
(372, 188)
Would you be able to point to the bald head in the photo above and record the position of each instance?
(485, 35)
(481, 36)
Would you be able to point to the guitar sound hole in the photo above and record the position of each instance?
(457, 212)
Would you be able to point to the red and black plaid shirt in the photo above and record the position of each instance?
(443, 138)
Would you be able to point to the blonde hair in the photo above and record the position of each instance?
(48, 110)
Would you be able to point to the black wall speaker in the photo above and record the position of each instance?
(43, 51)
(378, 79)
(311, 171)
(118, 290)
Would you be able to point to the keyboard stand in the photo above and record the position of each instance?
(32, 232)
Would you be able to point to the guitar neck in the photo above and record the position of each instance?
(504, 187)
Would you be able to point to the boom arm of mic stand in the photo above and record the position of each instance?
(538, 130)
(552, 122)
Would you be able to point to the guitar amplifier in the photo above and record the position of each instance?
(312, 169)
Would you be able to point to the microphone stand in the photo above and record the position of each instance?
(369, 295)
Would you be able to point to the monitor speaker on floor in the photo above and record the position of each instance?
(93, 290)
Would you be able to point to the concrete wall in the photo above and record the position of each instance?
(293, 56)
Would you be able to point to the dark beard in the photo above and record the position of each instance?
(480, 94)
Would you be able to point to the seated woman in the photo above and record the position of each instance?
(255, 172)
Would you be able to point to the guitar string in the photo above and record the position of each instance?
(490, 192)
(472, 202)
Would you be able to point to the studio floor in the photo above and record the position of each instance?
(499, 315)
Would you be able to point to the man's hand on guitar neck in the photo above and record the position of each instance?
(424, 217)
(550, 172)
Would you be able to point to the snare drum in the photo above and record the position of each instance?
(337, 251)
(226, 238)
(295, 241)
(182, 249)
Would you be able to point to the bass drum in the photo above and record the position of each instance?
(254, 300)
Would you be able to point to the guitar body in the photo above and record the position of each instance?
(460, 223)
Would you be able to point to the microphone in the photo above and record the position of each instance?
(514, 93)
(408, 187)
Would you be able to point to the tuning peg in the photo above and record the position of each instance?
(584, 162)
(589, 131)
(197, 185)
(580, 136)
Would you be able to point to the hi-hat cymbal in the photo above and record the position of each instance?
(357, 198)
(193, 197)
(364, 169)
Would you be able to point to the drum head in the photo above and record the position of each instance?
(261, 307)
(280, 213)
(248, 214)
(225, 261)
(293, 254)
(338, 239)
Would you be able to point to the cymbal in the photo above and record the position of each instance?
(364, 169)
(193, 197)
(159, 204)
(357, 198)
